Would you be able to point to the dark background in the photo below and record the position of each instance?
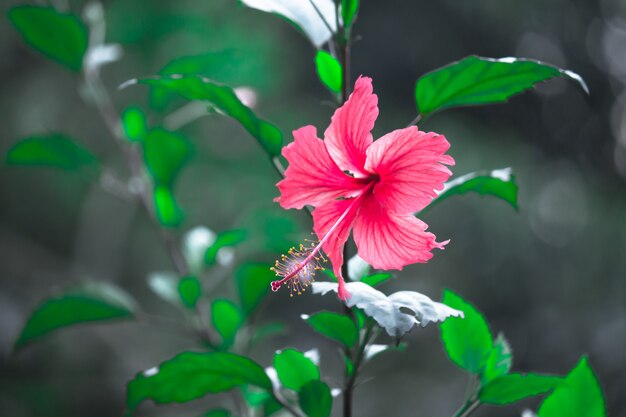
(552, 276)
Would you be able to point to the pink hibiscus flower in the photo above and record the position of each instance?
(371, 188)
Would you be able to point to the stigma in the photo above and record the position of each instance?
(297, 268)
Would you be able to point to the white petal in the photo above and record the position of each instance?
(397, 313)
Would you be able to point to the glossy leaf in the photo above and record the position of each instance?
(227, 318)
(167, 211)
(376, 279)
(467, 341)
(514, 387)
(476, 80)
(498, 183)
(396, 313)
(579, 395)
(335, 326)
(294, 369)
(134, 124)
(315, 399)
(55, 151)
(224, 99)
(317, 21)
(88, 303)
(223, 239)
(165, 154)
(59, 36)
(349, 10)
(253, 284)
(192, 375)
(189, 291)
(215, 65)
(499, 361)
(329, 70)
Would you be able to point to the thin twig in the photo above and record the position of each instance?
(319, 13)
(467, 409)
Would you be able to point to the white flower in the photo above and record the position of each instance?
(397, 313)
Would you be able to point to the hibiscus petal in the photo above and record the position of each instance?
(312, 176)
(387, 240)
(409, 164)
(324, 218)
(348, 135)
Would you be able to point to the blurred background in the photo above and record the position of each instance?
(551, 277)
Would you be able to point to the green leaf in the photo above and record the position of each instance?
(514, 387)
(312, 17)
(218, 412)
(334, 326)
(476, 80)
(373, 350)
(165, 154)
(579, 395)
(88, 303)
(253, 284)
(167, 211)
(315, 399)
(54, 150)
(59, 36)
(223, 239)
(192, 375)
(498, 183)
(227, 318)
(468, 340)
(499, 361)
(216, 65)
(189, 291)
(134, 124)
(349, 9)
(329, 70)
(267, 330)
(376, 279)
(294, 369)
(224, 99)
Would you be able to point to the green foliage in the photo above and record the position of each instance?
(499, 361)
(329, 70)
(88, 303)
(349, 10)
(212, 64)
(224, 99)
(335, 326)
(54, 150)
(134, 124)
(253, 284)
(514, 387)
(375, 280)
(227, 318)
(315, 399)
(192, 375)
(579, 395)
(218, 412)
(167, 211)
(165, 154)
(499, 183)
(294, 369)
(59, 36)
(223, 239)
(476, 80)
(189, 291)
(267, 330)
(467, 341)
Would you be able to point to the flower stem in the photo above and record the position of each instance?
(415, 121)
(467, 409)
